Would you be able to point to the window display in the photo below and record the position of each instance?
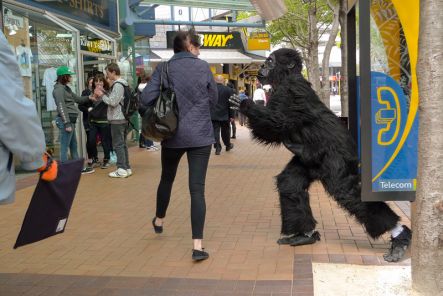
(41, 47)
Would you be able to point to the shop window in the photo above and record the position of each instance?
(41, 46)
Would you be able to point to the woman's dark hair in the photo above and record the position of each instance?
(63, 79)
(183, 38)
(88, 80)
(100, 77)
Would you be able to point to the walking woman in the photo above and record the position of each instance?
(65, 100)
(196, 93)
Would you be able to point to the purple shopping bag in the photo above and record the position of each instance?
(50, 205)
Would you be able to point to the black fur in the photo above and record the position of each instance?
(323, 149)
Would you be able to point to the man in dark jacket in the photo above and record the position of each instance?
(221, 115)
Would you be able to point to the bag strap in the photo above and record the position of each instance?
(165, 70)
(123, 99)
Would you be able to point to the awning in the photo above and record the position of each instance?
(213, 56)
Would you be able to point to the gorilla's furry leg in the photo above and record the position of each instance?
(376, 217)
(293, 183)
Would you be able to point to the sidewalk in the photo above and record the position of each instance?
(109, 247)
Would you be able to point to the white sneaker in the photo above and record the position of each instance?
(152, 148)
(119, 173)
(129, 171)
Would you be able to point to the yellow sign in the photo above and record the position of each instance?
(259, 41)
(215, 40)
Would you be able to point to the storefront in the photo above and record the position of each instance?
(225, 54)
(383, 95)
(46, 35)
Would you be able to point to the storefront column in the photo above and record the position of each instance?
(128, 49)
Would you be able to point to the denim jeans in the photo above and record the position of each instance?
(119, 133)
(198, 159)
(68, 140)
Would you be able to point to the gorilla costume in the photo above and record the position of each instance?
(323, 150)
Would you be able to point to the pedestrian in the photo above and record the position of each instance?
(242, 96)
(259, 96)
(196, 92)
(21, 133)
(233, 130)
(116, 118)
(222, 115)
(84, 108)
(65, 100)
(143, 80)
(99, 126)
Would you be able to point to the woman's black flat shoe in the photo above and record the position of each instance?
(198, 255)
(157, 229)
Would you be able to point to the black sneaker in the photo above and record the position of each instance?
(88, 170)
(105, 164)
(198, 255)
(229, 147)
(399, 245)
(299, 239)
(95, 163)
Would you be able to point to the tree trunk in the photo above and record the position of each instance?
(427, 215)
(314, 72)
(344, 59)
(326, 90)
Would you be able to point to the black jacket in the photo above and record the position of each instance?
(99, 110)
(222, 111)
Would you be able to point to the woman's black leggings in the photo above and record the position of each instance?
(198, 159)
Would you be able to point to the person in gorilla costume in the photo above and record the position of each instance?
(323, 150)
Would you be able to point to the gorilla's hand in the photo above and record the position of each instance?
(245, 105)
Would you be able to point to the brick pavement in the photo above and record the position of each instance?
(109, 247)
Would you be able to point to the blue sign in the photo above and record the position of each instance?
(100, 13)
(394, 167)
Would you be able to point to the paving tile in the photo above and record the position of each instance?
(109, 247)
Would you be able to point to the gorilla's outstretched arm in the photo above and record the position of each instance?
(267, 124)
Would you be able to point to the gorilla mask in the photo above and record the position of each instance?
(279, 65)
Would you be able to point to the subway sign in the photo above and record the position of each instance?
(214, 40)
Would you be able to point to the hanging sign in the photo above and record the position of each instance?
(259, 41)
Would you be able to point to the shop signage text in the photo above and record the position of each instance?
(225, 40)
(96, 45)
(90, 7)
(94, 12)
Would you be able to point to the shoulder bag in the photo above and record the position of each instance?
(160, 121)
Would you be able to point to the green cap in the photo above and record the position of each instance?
(64, 70)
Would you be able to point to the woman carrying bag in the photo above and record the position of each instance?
(196, 93)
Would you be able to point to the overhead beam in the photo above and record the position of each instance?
(216, 4)
(213, 24)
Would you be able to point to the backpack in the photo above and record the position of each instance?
(130, 102)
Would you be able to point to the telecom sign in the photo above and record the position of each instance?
(394, 138)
